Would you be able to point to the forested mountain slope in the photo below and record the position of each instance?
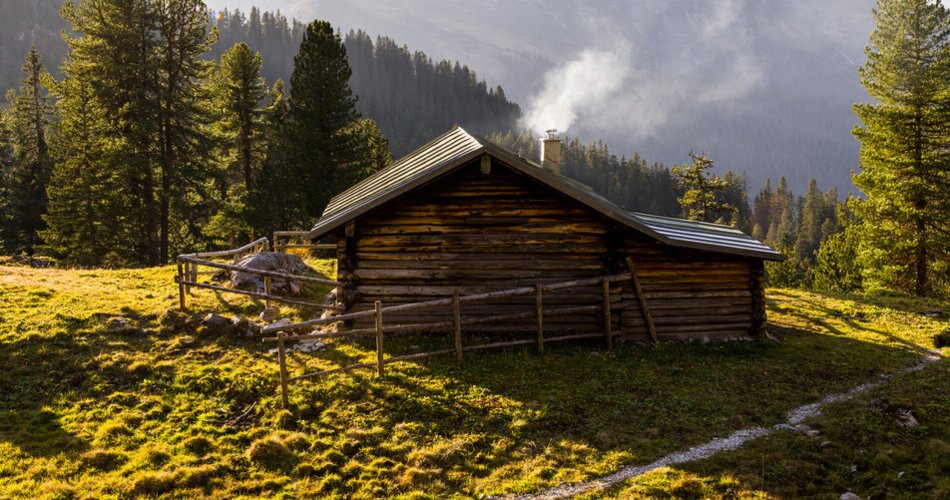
(396, 87)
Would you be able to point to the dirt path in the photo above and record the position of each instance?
(706, 450)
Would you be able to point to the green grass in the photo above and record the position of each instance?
(859, 449)
(89, 412)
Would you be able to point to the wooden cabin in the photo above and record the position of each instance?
(461, 213)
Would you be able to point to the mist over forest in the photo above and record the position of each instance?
(763, 88)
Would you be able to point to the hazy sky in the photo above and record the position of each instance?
(636, 73)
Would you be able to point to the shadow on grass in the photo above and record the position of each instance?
(533, 416)
(39, 372)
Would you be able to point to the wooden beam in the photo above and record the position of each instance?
(259, 272)
(181, 287)
(539, 315)
(275, 298)
(282, 358)
(608, 326)
(457, 313)
(380, 362)
(644, 308)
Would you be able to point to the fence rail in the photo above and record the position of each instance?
(188, 272)
(301, 237)
(456, 301)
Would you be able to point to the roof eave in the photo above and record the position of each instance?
(325, 225)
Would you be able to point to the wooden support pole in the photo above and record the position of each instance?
(647, 317)
(282, 358)
(194, 272)
(457, 313)
(267, 282)
(539, 316)
(379, 338)
(608, 326)
(181, 287)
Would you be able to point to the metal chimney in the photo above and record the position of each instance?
(551, 152)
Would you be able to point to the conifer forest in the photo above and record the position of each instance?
(161, 127)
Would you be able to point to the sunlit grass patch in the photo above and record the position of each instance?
(167, 408)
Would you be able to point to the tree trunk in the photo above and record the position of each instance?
(921, 285)
(151, 224)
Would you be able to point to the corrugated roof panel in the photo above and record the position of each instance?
(443, 149)
(704, 233)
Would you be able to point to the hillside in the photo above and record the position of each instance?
(105, 391)
(394, 86)
(762, 87)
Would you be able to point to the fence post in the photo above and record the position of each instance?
(540, 317)
(457, 313)
(194, 272)
(267, 291)
(282, 358)
(379, 338)
(608, 327)
(181, 287)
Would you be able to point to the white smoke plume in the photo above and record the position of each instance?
(584, 82)
(638, 86)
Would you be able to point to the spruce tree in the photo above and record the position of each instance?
(809, 231)
(144, 62)
(761, 212)
(275, 201)
(114, 51)
(239, 90)
(322, 106)
(184, 157)
(904, 168)
(27, 176)
(698, 187)
(88, 203)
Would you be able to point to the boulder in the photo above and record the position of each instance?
(849, 496)
(213, 320)
(244, 326)
(269, 314)
(268, 261)
(122, 326)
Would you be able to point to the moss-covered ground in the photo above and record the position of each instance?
(165, 409)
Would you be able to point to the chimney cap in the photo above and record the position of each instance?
(552, 133)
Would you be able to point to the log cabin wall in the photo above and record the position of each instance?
(690, 293)
(480, 232)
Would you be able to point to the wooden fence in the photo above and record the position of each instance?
(284, 240)
(188, 272)
(456, 324)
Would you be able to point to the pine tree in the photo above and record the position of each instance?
(761, 212)
(905, 170)
(276, 201)
(114, 51)
(88, 203)
(698, 187)
(371, 149)
(144, 62)
(809, 231)
(239, 90)
(322, 106)
(27, 176)
(185, 142)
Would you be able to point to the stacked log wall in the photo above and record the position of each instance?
(478, 232)
(690, 293)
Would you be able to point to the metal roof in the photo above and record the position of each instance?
(457, 147)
